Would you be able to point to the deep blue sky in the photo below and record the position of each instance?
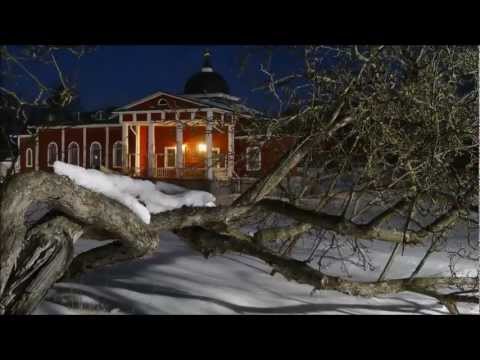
(117, 75)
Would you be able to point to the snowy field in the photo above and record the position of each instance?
(177, 280)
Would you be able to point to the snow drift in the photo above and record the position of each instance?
(156, 198)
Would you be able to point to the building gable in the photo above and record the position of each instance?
(162, 101)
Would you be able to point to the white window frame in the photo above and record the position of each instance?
(249, 149)
(29, 158)
(91, 158)
(114, 154)
(99, 115)
(162, 103)
(49, 162)
(69, 160)
(165, 156)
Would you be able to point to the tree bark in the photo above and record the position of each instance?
(36, 243)
(42, 260)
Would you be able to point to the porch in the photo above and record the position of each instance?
(181, 149)
(192, 172)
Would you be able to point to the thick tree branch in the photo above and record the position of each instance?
(210, 243)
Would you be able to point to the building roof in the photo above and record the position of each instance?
(207, 81)
(228, 103)
(49, 118)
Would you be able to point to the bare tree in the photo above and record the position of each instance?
(387, 135)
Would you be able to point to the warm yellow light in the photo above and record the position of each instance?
(184, 146)
(202, 147)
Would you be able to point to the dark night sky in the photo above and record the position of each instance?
(116, 75)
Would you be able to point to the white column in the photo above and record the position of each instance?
(179, 138)
(151, 145)
(84, 147)
(137, 149)
(107, 146)
(63, 145)
(37, 151)
(231, 151)
(208, 140)
(125, 132)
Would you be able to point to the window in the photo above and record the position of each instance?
(170, 157)
(117, 154)
(162, 103)
(52, 153)
(99, 115)
(73, 153)
(216, 160)
(254, 158)
(29, 158)
(95, 155)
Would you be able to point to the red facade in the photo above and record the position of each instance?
(271, 152)
(71, 135)
(134, 121)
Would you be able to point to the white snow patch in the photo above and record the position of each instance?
(130, 192)
(177, 280)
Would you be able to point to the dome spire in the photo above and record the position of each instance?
(206, 81)
(207, 65)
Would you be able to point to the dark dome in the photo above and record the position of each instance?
(206, 81)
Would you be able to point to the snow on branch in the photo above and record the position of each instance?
(142, 197)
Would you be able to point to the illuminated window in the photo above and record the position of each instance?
(202, 147)
(254, 158)
(52, 153)
(73, 154)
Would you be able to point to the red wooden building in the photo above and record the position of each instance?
(163, 136)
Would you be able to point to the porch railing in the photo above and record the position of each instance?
(162, 172)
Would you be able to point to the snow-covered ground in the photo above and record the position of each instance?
(177, 280)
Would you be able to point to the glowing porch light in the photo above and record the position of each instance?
(202, 147)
